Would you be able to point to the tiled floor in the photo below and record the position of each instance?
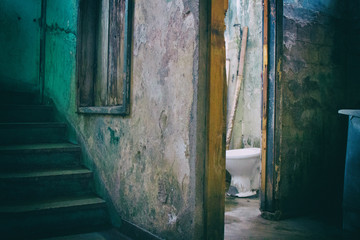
(243, 221)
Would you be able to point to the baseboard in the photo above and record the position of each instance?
(135, 232)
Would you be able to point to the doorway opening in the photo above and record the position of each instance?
(244, 50)
(22, 41)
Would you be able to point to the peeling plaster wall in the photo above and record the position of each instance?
(311, 88)
(247, 123)
(143, 161)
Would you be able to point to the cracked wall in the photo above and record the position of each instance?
(247, 122)
(142, 160)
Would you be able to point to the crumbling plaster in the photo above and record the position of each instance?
(143, 160)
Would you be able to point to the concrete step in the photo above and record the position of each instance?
(26, 113)
(107, 234)
(23, 133)
(52, 218)
(7, 97)
(40, 156)
(44, 190)
(36, 185)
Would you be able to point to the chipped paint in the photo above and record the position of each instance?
(172, 218)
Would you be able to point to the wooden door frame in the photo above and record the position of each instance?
(212, 79)
(212, 62)
(270, 170)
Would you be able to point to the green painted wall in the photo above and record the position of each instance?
(247, 123)
(20, 44)
(145, 162)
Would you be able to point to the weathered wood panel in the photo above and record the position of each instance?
(100, 93)
(116, 49)
(86, 52)
(104, 52)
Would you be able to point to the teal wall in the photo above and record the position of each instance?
(142, 162)
(60, 54)
(20, 44)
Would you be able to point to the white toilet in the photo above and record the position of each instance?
(244, 167)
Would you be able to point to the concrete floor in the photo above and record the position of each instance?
(243, 221)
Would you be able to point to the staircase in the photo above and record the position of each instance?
(44, 189)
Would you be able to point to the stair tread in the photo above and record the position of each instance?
(39, 147)
(106, 234)
(51, 204)
(25, 106)
(46, 173)
(38, 200)
(32, 124)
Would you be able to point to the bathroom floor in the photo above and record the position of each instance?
(243, 221)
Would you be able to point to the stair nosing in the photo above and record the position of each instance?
(68, 173)
(40, 147)
(26, 106)
(32, 124)
(53, 205)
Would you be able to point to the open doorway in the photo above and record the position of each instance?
(215, 59)
(286, 189)
(244, 49)
(22, 41)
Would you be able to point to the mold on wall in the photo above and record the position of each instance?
(310, 135)
(247, 123)
(142, 160)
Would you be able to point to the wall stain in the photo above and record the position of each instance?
(114, 136)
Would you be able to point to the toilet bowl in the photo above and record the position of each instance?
(244, 167)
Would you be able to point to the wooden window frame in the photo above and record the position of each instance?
(88, 20)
